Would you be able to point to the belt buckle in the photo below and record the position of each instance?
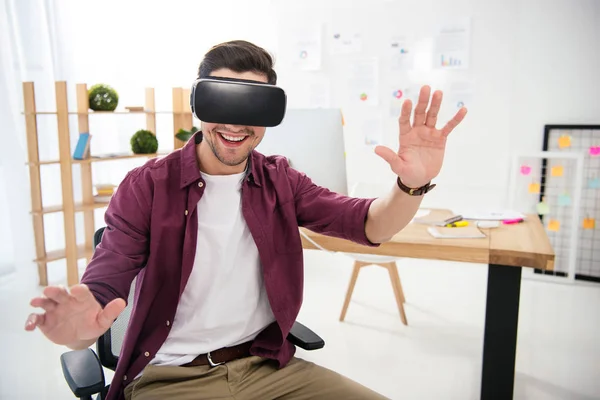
(211, 362)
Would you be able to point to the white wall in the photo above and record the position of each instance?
(532, 62)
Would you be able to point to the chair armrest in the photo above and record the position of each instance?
(83, 372)
(304, 338)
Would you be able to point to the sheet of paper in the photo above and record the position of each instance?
(363, 81)
(372, 130)
(345, 39)
(398, 94)
(301, 46)
(489, 215)
(452, 44)
(460, 94)
(401, 58)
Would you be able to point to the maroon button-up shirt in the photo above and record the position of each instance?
(151, 233)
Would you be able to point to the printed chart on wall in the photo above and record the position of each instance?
(303, 47)
(452, 44)
(580, 139)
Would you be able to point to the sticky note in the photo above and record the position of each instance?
(534, 188)
(553, 225)
(594, 183)
(343, 122)
(594, 151)
(564, 200)
(543, 208)
(589, 223)
(564, 141)
(525, 169)
(557, 170)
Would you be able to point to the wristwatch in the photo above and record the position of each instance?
(415, 191)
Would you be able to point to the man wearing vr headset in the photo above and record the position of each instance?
(211, 233)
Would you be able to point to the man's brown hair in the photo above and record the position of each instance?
(238, 56)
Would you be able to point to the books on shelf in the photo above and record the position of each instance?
(82, 149)
(102, 199)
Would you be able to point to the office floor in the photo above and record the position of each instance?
(438, 356)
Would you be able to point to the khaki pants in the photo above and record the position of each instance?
(248, 378)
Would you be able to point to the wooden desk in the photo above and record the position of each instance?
(505, 250)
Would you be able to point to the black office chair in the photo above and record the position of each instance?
(83, 368)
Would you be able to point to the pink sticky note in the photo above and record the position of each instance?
(525, 169)
(595, 151)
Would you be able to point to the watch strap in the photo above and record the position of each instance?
(415, 191)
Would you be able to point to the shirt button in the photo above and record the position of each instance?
(168, 323)
(200, 184)
(124, 377)
(186, 212)
(147, 354)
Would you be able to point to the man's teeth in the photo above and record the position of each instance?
(233, 138)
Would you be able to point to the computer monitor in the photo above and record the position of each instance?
(313, 141)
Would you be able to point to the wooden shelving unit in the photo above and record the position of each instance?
(182, 118)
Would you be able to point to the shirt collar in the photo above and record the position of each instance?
(190, 172)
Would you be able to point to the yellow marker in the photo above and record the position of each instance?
(457, 224)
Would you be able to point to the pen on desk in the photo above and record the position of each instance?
(457, 224)
(512, 221)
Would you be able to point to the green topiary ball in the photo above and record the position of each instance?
(144, 142)
(103, 98)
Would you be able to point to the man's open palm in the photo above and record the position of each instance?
(74, 316)
(422, 146)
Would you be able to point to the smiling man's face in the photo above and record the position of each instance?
(232, 144)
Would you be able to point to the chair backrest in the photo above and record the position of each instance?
(109, 345)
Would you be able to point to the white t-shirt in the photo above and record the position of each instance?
(224, 302)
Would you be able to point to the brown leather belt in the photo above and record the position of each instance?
(221, 356)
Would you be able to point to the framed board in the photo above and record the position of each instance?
(584, 140)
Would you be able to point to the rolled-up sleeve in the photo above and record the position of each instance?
(329, 213)
(124, 248)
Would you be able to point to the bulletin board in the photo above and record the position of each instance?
(582, 139)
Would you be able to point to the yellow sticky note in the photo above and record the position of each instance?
(343, 121)
(534, 188)
(589, 223)
(557, 170)
(553, 225)
(564, 141)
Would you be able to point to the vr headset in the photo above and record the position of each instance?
(237, 102)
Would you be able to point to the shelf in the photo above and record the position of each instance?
(55, 255)
(78, 208)
(105, 157)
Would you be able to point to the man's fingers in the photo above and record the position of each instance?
(110, 313)
(46, 304)
(460, 115)
(81, 292)
(34, 320)
(434, 109)
(387, 154)
(421, 108)
(404, 120)
(57, 293)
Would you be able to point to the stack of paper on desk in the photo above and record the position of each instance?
(468, 232)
